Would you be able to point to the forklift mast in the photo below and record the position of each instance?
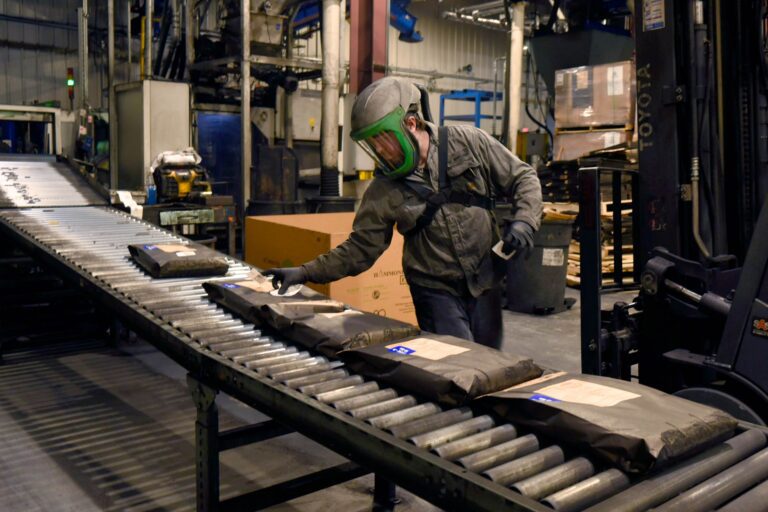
(699, 325)
(702, 121)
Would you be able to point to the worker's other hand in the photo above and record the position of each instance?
(286, 277)
(518, 237)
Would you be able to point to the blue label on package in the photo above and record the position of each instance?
(150, 247)
(543, 398)
(230, 285)
(403, 351)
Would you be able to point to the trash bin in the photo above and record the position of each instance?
(536, 284)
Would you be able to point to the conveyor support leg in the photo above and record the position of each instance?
(206, 443)
(384, 499)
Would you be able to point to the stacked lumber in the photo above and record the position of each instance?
(607, 250)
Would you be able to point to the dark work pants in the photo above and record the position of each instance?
(472, 318)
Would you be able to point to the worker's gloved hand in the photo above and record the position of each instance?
(518, 237)
(287, 277)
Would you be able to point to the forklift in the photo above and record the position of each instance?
(699, 325)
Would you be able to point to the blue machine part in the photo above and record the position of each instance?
(308, 17)
(23, 137)
(404, 21)
(8, 142)
(218, 143)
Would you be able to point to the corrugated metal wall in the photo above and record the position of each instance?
(34, 57)
(448, 47)
(38, 42)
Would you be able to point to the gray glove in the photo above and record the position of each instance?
(287, 276)
(518, 236)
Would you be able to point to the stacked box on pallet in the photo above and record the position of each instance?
(594, 108)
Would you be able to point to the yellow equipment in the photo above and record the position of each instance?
(181, 183)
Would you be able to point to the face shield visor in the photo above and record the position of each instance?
(390, 145)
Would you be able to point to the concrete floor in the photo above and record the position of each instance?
(553, 341)
(87, 427)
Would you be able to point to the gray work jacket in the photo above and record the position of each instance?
(453, 253)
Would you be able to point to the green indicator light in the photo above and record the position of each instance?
(70, 82)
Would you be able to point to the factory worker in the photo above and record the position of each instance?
(437, 186)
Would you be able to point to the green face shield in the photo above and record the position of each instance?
(387, 141)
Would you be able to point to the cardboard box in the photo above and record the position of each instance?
(595, 95)
(572, 145)
(292, 240)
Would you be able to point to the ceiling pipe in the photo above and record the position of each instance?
(493, 24)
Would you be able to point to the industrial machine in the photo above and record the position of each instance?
(698, 329)
(30, 129)
(181, 183)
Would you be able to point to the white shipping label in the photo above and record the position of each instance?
(552, 257)
(498, 250)
(127, 199)
(263, 286)
(582, 79)
(559, 79)
(581, 392)
(322, 303)
(428, 349)
(290, 292)
(611, 139)
(183, 254)
(653, 15)
(534, 382)
(615, 80)
(174, 248)
(348, 312)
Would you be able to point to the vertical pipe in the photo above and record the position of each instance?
(189, 33)
(517, 35)
(111, 92)
(128, 73)
(82, 53)
(148, 39)
(288, 96)
(329, 132)
(245, 99)
(495, 93)
(175, 20)
(695, 13)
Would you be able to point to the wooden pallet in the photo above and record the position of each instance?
(575, 281)
(606, 251)
(608, 207)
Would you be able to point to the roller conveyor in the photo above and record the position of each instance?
(43, 182)
(459, 459)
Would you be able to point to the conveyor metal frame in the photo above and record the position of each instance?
(86, 245)
(441, 482)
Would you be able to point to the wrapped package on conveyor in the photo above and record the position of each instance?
(629, 425)
(179, 260)
(443, 368)
(307, 317)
